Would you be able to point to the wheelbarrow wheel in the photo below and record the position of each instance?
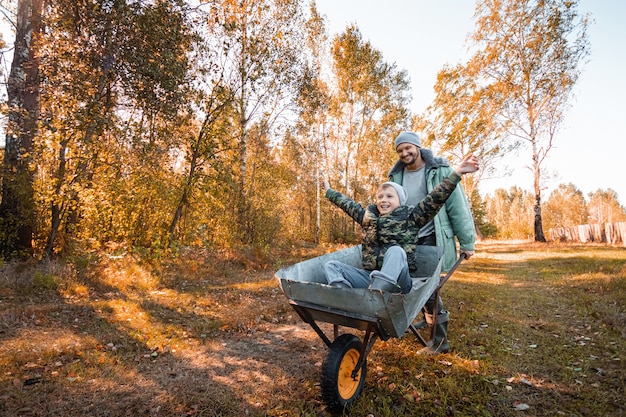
(339, 388)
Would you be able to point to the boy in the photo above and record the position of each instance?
(390, 231)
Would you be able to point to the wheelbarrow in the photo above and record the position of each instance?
(379, 314)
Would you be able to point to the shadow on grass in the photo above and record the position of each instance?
(119, 351)
(542, 333)
(527, 327)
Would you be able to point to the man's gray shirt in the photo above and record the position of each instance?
(415, 185)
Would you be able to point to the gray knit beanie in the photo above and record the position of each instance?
(402, 194)
(408, 137)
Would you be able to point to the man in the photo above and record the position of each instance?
(419, 171)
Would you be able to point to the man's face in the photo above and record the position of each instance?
(409, 154)
(387, 199)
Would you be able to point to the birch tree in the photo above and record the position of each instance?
(261, 54)
(530, 54)
(510, 211)
(604, 207)
(307, 150)
(369, 107)
(23, 93)
(565, 207)
(460, 120)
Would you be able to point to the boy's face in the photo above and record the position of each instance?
(387, 199)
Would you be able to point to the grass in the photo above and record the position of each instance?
(537, 328)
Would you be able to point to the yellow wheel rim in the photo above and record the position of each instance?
(346, 385)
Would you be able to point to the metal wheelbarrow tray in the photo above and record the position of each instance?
(379, 314)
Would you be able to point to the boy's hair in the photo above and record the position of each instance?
(400, 190)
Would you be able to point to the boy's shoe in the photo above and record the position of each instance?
(381, 281)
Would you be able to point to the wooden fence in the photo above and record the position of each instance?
(612, 233)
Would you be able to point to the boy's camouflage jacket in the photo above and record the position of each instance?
(398, 228)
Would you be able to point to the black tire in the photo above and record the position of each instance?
(339, 389)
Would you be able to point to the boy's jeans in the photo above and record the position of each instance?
(395, 266)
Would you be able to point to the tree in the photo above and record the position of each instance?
(485, 228)
(114, 80)
(203, 149)
(510, 212)
(368, 108)
(212, 104)
(261, 54)
(17, 205)
(566, 207)
(305, 148)
(604, 207)
(529, 54)
(461, 121)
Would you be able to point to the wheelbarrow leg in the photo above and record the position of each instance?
(418, 336)
(415, 328)
(368, 343)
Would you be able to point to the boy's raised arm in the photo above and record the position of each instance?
(345, 203)
(468, 165)
(426, 209)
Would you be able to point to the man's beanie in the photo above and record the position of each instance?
(408, 137)
(402, 194)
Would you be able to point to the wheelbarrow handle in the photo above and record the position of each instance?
(443, 280)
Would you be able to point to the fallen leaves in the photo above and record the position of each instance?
(520, 406)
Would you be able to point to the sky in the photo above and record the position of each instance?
(421, 36)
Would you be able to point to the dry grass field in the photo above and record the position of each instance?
(536, 330)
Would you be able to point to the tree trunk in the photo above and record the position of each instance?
(183, 203)
(539, 236)
(56, 208)
(17, 206)
(538, 223)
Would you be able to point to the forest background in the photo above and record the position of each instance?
(149, 126)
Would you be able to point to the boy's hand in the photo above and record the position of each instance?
(468, 164)
(325, 185)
